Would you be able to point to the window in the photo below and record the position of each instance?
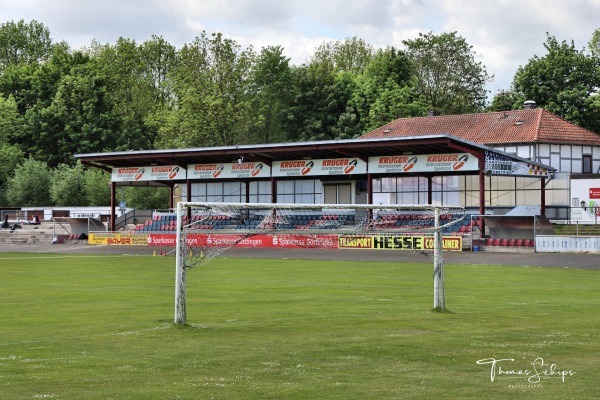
(587, 164)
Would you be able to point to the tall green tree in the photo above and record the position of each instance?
(30, 185)
(68, 186)
(79, 120)
(564, 81)
(12, 126)
(97, 187)
(594, 43)
(212, 86)
(349, 55)
(446, 72)
(385, 90)
(319, 108)
(23, 43)
(270, 95)
(147, 198)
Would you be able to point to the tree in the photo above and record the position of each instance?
(385, 92)
(270, 95)
(97, 187)
(11, 157)
(137, 86)
(349, 55)
(12, 126)
(147, 198)
(506, 100)
(68, 186)
(79, 120)
(30, 185)
(23, 43)
(212, 86)
(446, 72)
(319, 100)
(594, 44)
(564, 81)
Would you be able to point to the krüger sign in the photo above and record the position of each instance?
(451, 162)
(328, 166)
(228, 170)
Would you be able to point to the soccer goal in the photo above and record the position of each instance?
(205, 230)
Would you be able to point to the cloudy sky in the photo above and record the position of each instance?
(504, 33)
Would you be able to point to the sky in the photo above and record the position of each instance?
(504, 34)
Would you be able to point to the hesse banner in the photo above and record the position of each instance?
(451, 243)
(423, 163)
(328, 166)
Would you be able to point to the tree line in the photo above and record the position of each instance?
(56, 101)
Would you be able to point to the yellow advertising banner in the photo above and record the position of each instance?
(128, 239)
(389, 242)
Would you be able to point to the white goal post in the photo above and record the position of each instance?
(206, 229)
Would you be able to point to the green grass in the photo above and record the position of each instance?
(100, 327)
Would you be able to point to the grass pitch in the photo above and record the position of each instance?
(100, 327)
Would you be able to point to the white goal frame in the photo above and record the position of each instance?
(433, 212)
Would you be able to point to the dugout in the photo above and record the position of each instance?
(433, 169)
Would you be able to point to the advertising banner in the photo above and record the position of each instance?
(286, 241)
(130, 239)
(229, 170)
(499, 164)
(328, 166)
(388, 242)
(150, 173)
(451, 162)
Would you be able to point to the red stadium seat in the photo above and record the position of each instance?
(519, 242)
(504, 242)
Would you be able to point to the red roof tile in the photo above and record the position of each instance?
(504, 127)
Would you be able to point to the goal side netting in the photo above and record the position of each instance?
(205, 230)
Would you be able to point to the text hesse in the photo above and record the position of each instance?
(395, 242)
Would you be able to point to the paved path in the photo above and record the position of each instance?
(557, 260)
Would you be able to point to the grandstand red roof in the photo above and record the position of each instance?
(504, 127)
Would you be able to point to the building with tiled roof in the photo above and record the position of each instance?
(532, 133)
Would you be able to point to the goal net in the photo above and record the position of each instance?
(205, 230)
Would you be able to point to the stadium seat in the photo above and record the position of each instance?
(504, 242)
(519, 242)
(512, 242)
(527, 242)
(496, 242)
